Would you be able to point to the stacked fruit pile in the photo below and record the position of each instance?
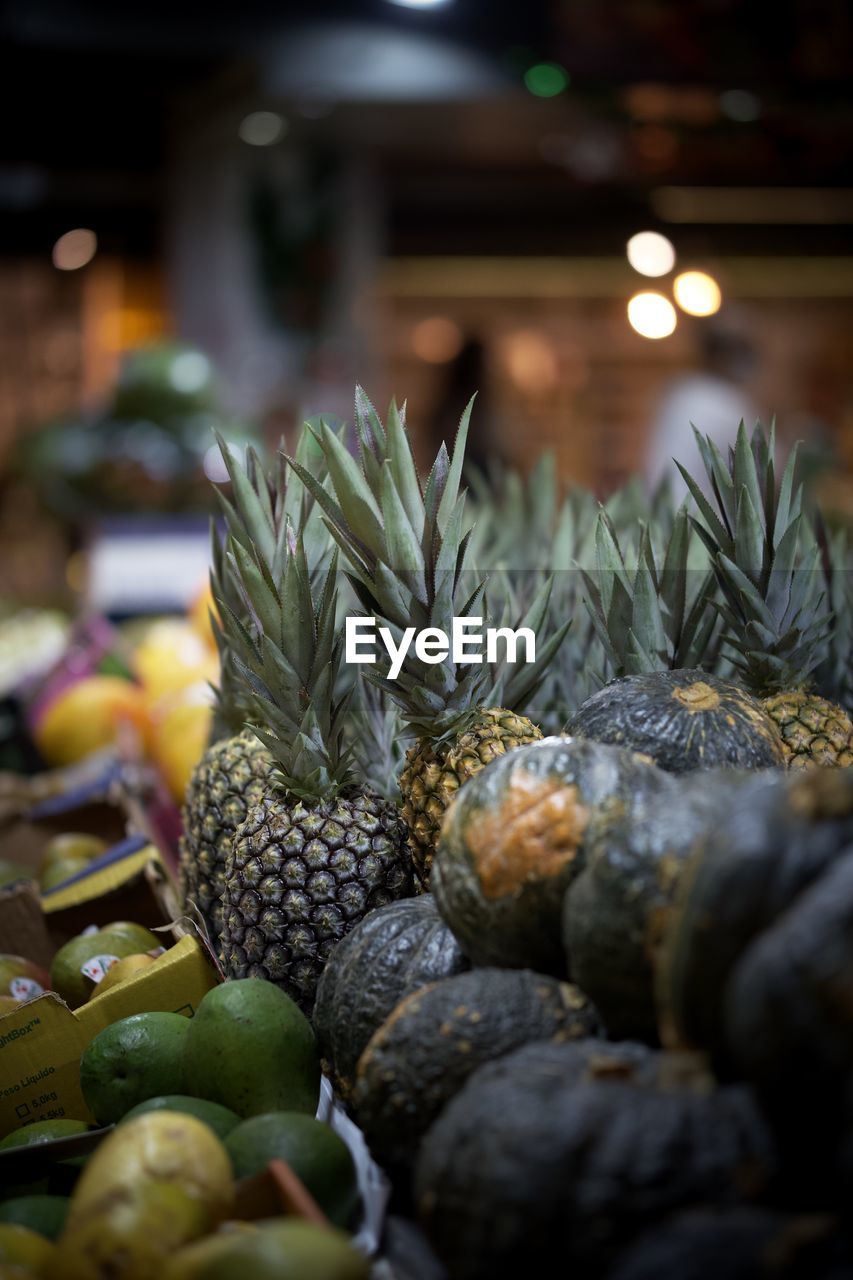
(203, 1109)
(549, 976)
(572, 934)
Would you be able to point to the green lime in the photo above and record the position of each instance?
(29, 1135)
(43, 1214)
(315, 1153)
(75, 845)
(282, 1249)
(79, 965)
(217, 1118)
(131, 1060)
(143, 938)
(10, 872)
(251, 1048)
(60, 870)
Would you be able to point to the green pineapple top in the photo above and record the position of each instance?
(654, 615)
(407, 547)
(277, 633)
(766, 560)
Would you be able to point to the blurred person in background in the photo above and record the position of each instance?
(714, 398)
(464, 376)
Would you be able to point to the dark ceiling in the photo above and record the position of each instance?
(89, 97)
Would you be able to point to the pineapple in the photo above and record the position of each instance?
(319, 849)
(776, 616)
(407, 551)
(233, 773)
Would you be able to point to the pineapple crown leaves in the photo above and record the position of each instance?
(407, 545)
(289, 655)
(766, 560)
(646, 616)
(264, 499)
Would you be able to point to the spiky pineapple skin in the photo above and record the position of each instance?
(231, 777)
(813, 730)
(435, 772)
(300, 876)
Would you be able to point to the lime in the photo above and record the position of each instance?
(284, 1249)
(43, 1214)
(60, 870)
(42, 1131)
(217, 1118)
(251, 1048)
(133, 1059)
(144, 939)
(74, 845)
(79, 965)
(315, 1153)
(11, 872)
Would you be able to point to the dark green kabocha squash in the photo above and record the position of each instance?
(771, 842)
(436, 1038)
(739, 1243)
(515, 837)
(522, 1168)
(684, 720)
(615, 911)
(788, 1018)
(392, 952)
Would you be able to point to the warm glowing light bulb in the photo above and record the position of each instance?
(437, 340)
(652, 315)
(697, 293)
(650, 253)
(262, 128)
(75, 249)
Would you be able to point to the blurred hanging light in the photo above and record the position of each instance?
(652, 315)
(531, 362)
(421, 4)
(189, 371)
(75, 249)
(697, 293)
(546, 79)
(437, 340)
(650, 253)
(262, 128)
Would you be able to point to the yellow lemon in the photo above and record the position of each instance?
(173, 656)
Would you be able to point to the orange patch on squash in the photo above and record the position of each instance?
(534, 833)
(697, 697)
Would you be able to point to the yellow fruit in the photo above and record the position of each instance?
(180, 738)
(173, 656)
(21, 1247)
(131, 1232)
(89, 716)
(190, 1261)
(161, 1146)
(75, 846)
(198, 616)
(123, 969)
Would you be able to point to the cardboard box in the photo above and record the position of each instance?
(42, 1041)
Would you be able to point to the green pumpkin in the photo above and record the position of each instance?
(684, 720)
(615, 912)
(392, 952)
(524, 1166)
(437, 1037)
(769, 843)
(516, 836)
